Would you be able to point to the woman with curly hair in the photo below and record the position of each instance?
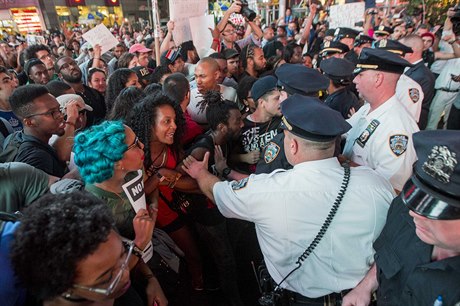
(67, 251)
(159, 122)
(107, 156)
(120, 78)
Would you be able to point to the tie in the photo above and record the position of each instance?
(353, 135)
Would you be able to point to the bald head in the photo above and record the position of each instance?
(416, 43)
(207, 75)
(209, 64)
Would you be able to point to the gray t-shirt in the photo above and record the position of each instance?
(21, 184)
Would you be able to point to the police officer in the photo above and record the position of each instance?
(289, 207)
(340, 73)
(408, 91)
(346, 36)
(333, 48)
(381, 137)
(382, 32)
(361, 41)
(418, 253)
(292, 79)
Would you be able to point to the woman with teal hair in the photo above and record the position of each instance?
(107, 156)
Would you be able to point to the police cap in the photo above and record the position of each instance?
(296, 78)
(363, 39)
(345, 33)
(379, 59)
(383, 30)
(433, 190)
(309, 118)
(329, 32)
(393, 46)
(332, 47)
(263, 86)
(337, 67)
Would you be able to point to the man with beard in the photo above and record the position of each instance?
(42, 118)
(70, 73)
(206, 77)
(225, 123)
(253, 60)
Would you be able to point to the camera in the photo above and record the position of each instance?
(246, 11)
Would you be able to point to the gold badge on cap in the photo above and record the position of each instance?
(381, 28)
(440, 164)
(327, 44)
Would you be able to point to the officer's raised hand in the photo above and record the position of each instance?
(196, 168)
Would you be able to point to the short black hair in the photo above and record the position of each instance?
(22, 98)
(217, 109)
(176, 87)
(4, 70)
(57, 88)
(57, 232)
(244, 86)
(31, 51)
(184, 47)
(288, 51)
(152, 89)
(158, 73)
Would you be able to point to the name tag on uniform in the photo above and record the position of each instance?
(367, 133)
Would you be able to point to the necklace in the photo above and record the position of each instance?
(163, 152)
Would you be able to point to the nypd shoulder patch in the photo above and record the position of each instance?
(271, 152)
(237, 185)
(398, 144)
(414, 94)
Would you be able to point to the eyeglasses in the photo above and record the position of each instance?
(136, 143)
(67, 65)
(55, 113)
(48, 56)
(129, 246)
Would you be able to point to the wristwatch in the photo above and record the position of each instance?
(138, 252)
(226, 172)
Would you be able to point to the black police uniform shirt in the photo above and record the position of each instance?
(425, 78)
(255, 137)
(273, 156)
(342, 101)
(405, 272)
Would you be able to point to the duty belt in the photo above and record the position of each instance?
(330, 299)
(449, 90)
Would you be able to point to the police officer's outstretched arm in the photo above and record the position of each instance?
(199, 171)
(361, 295)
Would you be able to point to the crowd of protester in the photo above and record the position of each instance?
(80, 124)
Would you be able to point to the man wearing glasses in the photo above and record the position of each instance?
(42, 118)
(71, 74)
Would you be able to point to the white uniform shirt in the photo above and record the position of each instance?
(195, 97)
(388, 149)
(411, 95)
(289, 207)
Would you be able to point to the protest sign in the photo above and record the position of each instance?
(180, 11)
(35, 40)
(100, 35)
(134, 190)
(202, 38)
(346, 15)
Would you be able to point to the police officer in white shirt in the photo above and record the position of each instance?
(408, 91)
(381, 137)
(289, 207)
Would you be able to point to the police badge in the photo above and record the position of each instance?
(440, 163)
(414, 94)
(271, 152)
(237, 185)
(398, 144)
